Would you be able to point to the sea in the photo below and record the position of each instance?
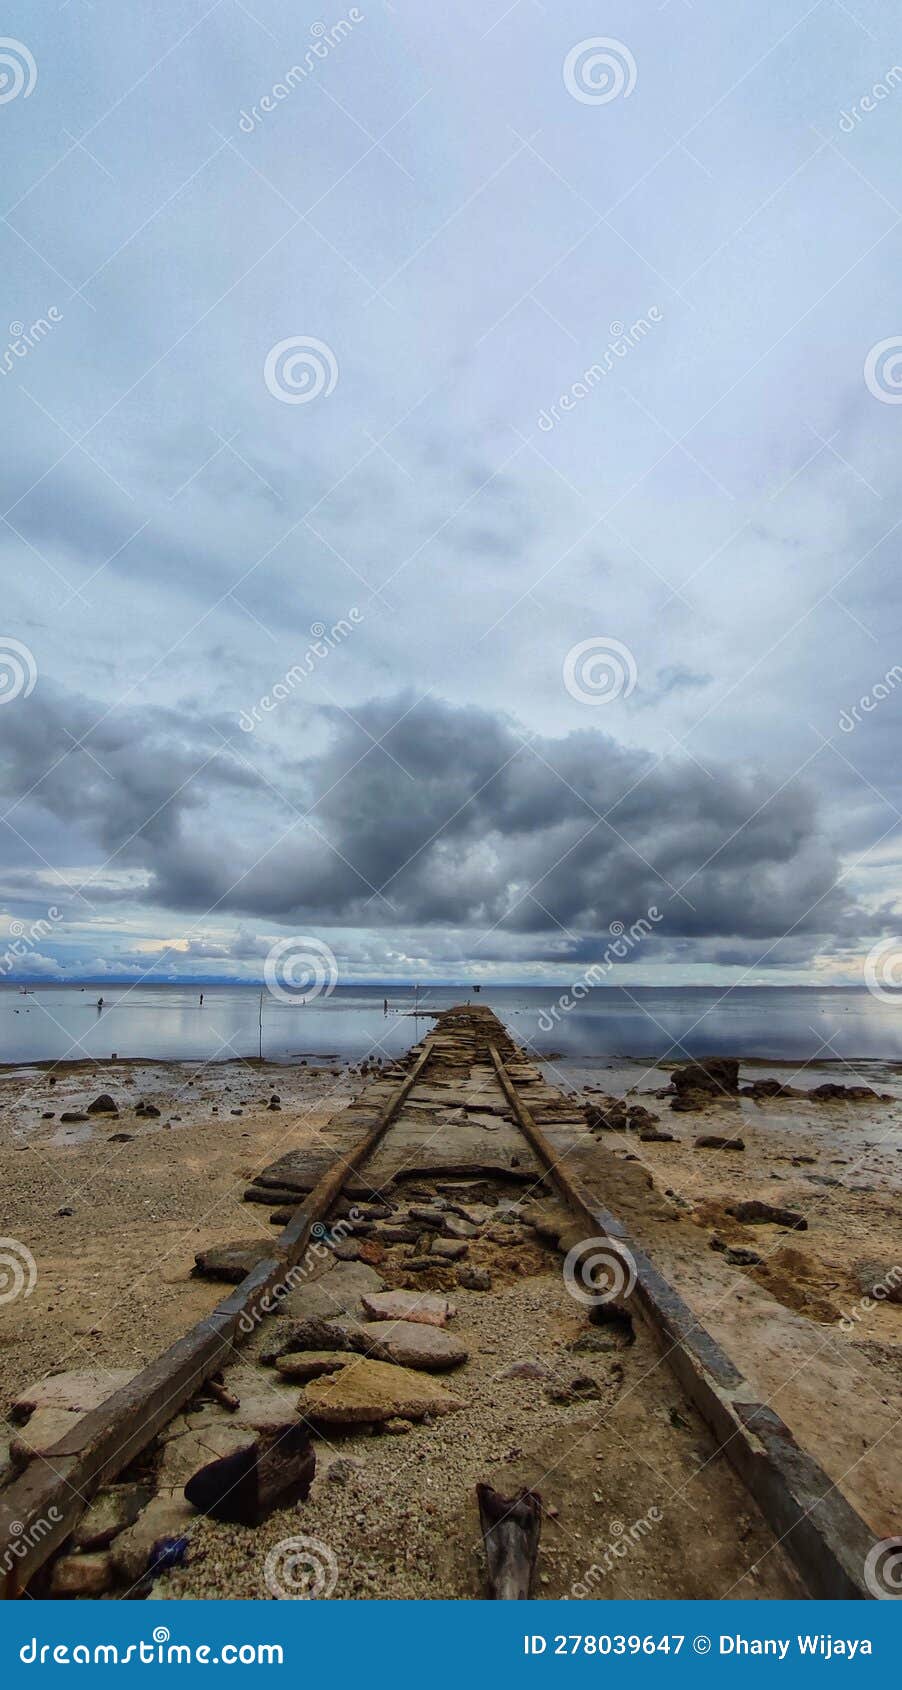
(168, 1022)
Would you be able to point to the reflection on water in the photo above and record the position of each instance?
(787, 1023)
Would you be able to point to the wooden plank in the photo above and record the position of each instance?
(40, 1509)
(821, 1531)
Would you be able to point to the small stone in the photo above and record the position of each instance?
(65, 1210)
(756, 1213)
(110, 1512)
(72, 1115)
(449, 1249)
(120, 1138)
(474, 1279)
(312, 1364)
(81, 1575)
(714, 1141)
(103, 1105)
(396, 1427)
(526, 1370)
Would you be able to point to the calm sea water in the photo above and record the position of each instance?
(160, 1022)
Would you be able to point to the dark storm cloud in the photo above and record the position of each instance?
(453, 818)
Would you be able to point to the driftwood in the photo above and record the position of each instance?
(245, 1487)
(511, 1526)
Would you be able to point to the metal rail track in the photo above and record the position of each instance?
(822, 1533)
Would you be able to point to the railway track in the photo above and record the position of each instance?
(458, 1176)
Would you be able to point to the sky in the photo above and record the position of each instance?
(451, 496)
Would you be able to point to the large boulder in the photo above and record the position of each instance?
(717, 1075)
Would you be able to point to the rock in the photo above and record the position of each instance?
(148, 1110)
(428, 1217)
(120, 1138)
(396, 1427)
(832, 1093)
(72, 1115)
(880, 1280)
(374, 1391)
(168, 1516)
(371, 1252)
(654, 1135)
(312, 1364)
(526, 1370)
(738, 1256)
(344, 1249)
(65, 1210)
(718, 1075)
(408, 1305)
(454, 1227)
(639, 1117)
(343, 1469)
(715, 1141)
(580, 1389)
(763, 1089)
(76, 1392)
(399, 1234)
(81, 1575)
(409, 1343)
(449, 1250)
(313, 1334)
(232, 1262)
(274, 1471)
(111, 1511)
(338, 1292)
(474, 1279)
(103, 1105)
(755, 1213)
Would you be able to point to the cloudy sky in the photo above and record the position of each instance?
(451, 488)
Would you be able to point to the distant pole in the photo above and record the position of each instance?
(260, 1022)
